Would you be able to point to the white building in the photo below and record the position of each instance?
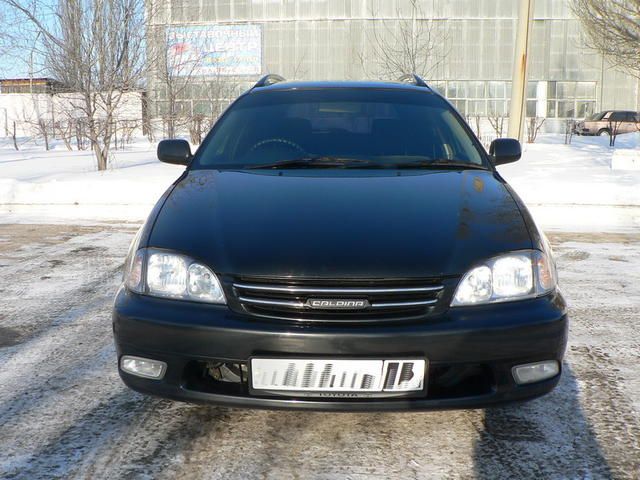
(31, 105)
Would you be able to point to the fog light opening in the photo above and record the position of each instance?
(535, 372)
(227, 372)
(143, 367)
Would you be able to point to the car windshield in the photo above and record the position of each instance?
(339, 127)
(596, 116)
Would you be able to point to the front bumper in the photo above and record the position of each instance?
(579, 130)
(470, 350)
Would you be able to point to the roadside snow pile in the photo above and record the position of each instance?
(566, 186)
(574, 187)
(553, 173)
(627, 159)
(66, 184)
(627, 153)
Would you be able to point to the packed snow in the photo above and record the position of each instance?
(64, 413)
(567, 187)
(573, 187)
(60, 184)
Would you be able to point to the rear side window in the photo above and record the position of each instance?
(371, 124)
(618, 117)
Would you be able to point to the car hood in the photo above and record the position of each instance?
(340, 223)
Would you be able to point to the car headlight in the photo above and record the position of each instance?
(514, 276)
(172, 275)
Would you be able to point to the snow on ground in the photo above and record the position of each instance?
(64, 413)
(573, 188)
(567, 187)
(61, 184)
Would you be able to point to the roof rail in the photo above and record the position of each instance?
(414, 79)
(269, 79)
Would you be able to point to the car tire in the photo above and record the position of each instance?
(604, 131)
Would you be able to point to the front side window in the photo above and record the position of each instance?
(596, 116)
(385, 128)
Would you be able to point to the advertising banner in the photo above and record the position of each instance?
(211, 50)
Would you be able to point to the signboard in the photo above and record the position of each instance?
(211, 50)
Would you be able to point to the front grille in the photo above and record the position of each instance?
(337, 301)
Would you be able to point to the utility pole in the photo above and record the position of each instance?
(519, 79)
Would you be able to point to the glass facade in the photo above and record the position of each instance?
(465, 50)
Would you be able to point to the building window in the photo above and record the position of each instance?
(473, 98)
(492, 98)
(571, 99)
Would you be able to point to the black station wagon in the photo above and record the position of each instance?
(340, 246)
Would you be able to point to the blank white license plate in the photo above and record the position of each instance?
(313, 375)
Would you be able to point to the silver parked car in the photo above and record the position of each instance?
(609, 122)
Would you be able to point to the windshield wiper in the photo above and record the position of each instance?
(323, 161)
(309, 162)
(439, 164)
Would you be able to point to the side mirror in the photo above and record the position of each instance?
(177, 152)
(505, 150)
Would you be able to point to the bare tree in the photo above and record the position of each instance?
(196, 84)
(80, 128)
(410, 43)
(534, 124)
(6, 38)
(569, 129)
(95, 48)
(64, 131)
(613, 28)
(477, 121)
(126, 128)
(70, 122)
(34, 117)
(174, 65)
(614, 130)
(42, 127)
(13, 136)
(218, 92)
(299, 69)
(497, 123)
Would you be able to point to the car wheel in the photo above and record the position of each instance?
(604, 132)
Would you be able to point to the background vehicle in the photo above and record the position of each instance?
(608, 122)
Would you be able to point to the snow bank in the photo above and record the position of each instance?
(573, 187)
(626, 159)
(65, 184)
(566, 186)
(551, 173)
(626, 155)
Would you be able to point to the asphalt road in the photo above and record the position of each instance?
(65, 413)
